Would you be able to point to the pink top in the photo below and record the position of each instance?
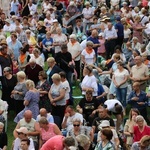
(101, 49)
(46, 135)
(138, 135)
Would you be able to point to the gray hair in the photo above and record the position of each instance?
(73, 36)
(89, 43)
(1, 124)
(83, 140)
(139, 118)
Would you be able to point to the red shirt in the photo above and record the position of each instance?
(138, 135)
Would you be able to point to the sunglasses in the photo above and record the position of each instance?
(20, 133)
(76, 125)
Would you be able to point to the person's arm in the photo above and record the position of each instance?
(107, 72)
(57, 130)
(60, 97)
(83, 59)
(64, 123)
(114, 81)
(79, 109)
(37, 130)
(94, 59)
(14, 132)
(26, 102)
(78, 53)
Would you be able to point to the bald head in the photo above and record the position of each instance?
(43, 112)
(94, 33)
(28, 115)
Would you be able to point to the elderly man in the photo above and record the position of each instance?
(32, 70)
(43, 113)
(22, 36)
(139, 73)
(32, 126)
(110, 35)
(138, 99)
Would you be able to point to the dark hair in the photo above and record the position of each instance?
(26, 140)
(43, 74)
(133, 110)
(70, 106)
(137, 52)
(118, 48)
(118, 108)
(89, 68)
(25, 17)
(108, 133)
(62, 74)
(1, 48)
(12, 13)
(120, 63)
(64, 47)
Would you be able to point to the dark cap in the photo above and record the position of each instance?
(118, 18)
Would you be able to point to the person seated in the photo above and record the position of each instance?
(22, 134)
(79, 129)
(102, 115)
(83, 142)
(128, 127)
(114, 106)
(115, 140)
(140, 129)
(32, 126)
(25, 144)
(70, 114)
(43, 113)
(138, 99)
(69, 142)
(48, 130)
(144, 143)
(87, 107)
(105, 143)
(3, 137)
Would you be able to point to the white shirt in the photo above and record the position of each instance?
(120, 76)
(74, 49)
(59, 39)
(89, 58)
(90, 82)
(111, 104)
(32, 8)
(127, 33)
(17, 143)
(47, 22)
(87, 13)
(70, 119)
(110, 33)
(8, 28)
(67, 89)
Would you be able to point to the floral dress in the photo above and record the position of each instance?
(44, 100)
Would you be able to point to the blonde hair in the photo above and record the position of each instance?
(43, 120)
(83, 140)
(51, 59)
(56, 76)
(21, 74)
(30, 84)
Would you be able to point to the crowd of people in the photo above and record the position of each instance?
(46, 46)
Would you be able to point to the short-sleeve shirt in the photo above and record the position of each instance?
(97, 121)
(89, 58)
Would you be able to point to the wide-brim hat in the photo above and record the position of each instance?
(3, 42)
(105, 18)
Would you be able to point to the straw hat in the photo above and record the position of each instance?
(7, 20)
(23, 130)
(3, 42)
(87, 4)
(104, 18)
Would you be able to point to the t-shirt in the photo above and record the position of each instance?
(127, 33)
(120, 76)
(111, 104)
(88, 106)
(70, 119)
(89, 58)
(138, 135)
(97, 121)
(3, 139)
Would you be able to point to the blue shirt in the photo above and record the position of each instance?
(120, 28)
(47, 42)
(142, 98)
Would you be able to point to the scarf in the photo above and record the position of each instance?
(22, 58)
(89, 51)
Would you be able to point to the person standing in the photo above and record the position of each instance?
(25, 8)
(120, 31)
(5, 5)
(139, 73)
(110, 35)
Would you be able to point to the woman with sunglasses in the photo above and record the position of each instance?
(79, 129)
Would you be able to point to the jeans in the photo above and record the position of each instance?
(121, 94)
(41, 36)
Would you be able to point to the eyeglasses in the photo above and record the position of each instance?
(76, 125)
(28, 32)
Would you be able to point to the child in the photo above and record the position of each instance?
(3, 137)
